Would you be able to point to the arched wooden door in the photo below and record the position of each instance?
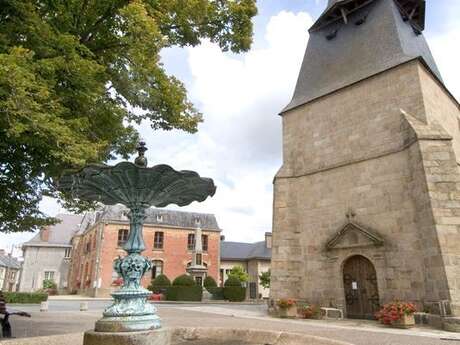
(361, 290)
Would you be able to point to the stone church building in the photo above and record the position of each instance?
(367, 201)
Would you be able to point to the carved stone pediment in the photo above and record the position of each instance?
(352, 235)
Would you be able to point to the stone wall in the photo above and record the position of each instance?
(38, 260)
(375, 148)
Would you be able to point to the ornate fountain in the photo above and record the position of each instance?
(137, 187)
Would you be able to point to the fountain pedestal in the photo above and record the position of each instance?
(130, 312)
(137, 187)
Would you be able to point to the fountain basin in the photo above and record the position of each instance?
(205, 336)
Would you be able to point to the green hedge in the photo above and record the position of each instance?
(232, 281)
(184, 293)
(216, 292)
(209, 282)
(235, 293)
(25, 297)
(160, 284)
(184, 280)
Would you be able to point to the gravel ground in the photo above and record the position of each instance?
(64, 318)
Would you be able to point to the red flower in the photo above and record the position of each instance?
(394, 311)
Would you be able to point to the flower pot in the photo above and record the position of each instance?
(290, 312)
(406, 321)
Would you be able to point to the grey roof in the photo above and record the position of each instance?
(161, 217)
(384, 40)
(9, 261)
(60, 233)
(240, 251)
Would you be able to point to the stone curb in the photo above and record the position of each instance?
(206, 335)
(181, 335)
(82, 298)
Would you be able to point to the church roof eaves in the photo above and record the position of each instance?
(358, 52)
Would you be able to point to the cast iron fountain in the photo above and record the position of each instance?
(137, 187)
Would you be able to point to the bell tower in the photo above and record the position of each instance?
(371, 131)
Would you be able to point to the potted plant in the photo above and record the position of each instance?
(397, 314)
(308, 311)
(287, 308)
(50, 287)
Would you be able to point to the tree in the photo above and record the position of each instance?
(239, 273)
(265, 279)
(76, 75)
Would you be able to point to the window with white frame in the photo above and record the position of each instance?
(12, 275)
(67, 253)
(49, 275)
(157, 268)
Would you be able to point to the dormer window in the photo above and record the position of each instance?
(197, 221)
(159, 218)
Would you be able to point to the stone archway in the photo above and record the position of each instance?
(361, 289)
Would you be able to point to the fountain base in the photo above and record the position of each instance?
(114, 324)
(130, 312)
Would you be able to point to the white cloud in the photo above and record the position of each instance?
(446, 51)
(239, 144)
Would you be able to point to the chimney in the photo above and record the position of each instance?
(268, 240)
(45, 234)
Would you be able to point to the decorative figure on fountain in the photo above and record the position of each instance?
(138, 187)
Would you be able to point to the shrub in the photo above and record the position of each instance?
(159, 284)
(25, 297)
(184, 293)
(265, 279)
(239, 273)
(184, 280)
(216, 292)
(232, 281)
(234, 293)
(209, 282)
(49, 284)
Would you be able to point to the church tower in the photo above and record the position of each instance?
(367, 201)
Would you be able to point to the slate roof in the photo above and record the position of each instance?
(240, 251)
(161, 217)
(61, 233)
(9, 261)
(382, 41)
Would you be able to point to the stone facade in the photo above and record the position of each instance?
(10, 270)
(47, 255)
(254, 258)
(385, 149)
(96, 247)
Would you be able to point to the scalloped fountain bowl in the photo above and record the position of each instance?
(206, 336)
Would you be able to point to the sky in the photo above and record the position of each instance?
(240, 96)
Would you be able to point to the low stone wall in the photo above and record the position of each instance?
(205, 336)
(62, 339)
(180, 336)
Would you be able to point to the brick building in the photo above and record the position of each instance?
(169, 240)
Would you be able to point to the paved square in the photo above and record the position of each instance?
(64, 317)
